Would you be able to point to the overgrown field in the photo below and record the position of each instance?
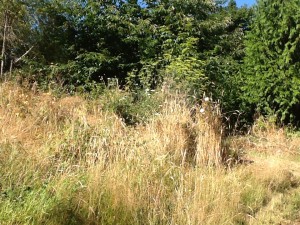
(120, 160)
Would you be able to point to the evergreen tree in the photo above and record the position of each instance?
(272, 62)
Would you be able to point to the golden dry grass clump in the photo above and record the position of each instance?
(210, 140)
(266, 137)
(68, 161)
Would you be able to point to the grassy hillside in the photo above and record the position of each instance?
(71, 160)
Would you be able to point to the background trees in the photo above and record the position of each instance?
(86, 41)
(14, 31)
(200, 44)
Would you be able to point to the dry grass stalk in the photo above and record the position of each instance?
(210, 147)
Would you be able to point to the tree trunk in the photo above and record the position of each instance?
(10, 68)
(3, 44)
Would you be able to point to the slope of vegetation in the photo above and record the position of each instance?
(70, 160)
(149, 112)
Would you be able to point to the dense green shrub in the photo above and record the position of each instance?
(187, 70)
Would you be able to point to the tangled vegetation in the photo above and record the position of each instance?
(149, 112)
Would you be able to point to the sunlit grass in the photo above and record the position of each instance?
(75, 161)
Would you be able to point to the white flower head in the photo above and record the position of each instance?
(202, 110)
(206, 99)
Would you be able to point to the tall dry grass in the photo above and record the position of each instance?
(68, 161)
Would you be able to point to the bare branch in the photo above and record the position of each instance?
(20, 58)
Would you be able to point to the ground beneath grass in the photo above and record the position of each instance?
(283, 206)
(275, 160)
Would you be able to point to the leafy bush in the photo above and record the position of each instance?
(187, 70)
(132, 107)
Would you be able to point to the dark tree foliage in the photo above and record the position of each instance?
(15, 24)
(94, 40)
(199, 44)
(272, 62)
(224, 59)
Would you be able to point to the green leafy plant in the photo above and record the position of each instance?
(133, 107)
